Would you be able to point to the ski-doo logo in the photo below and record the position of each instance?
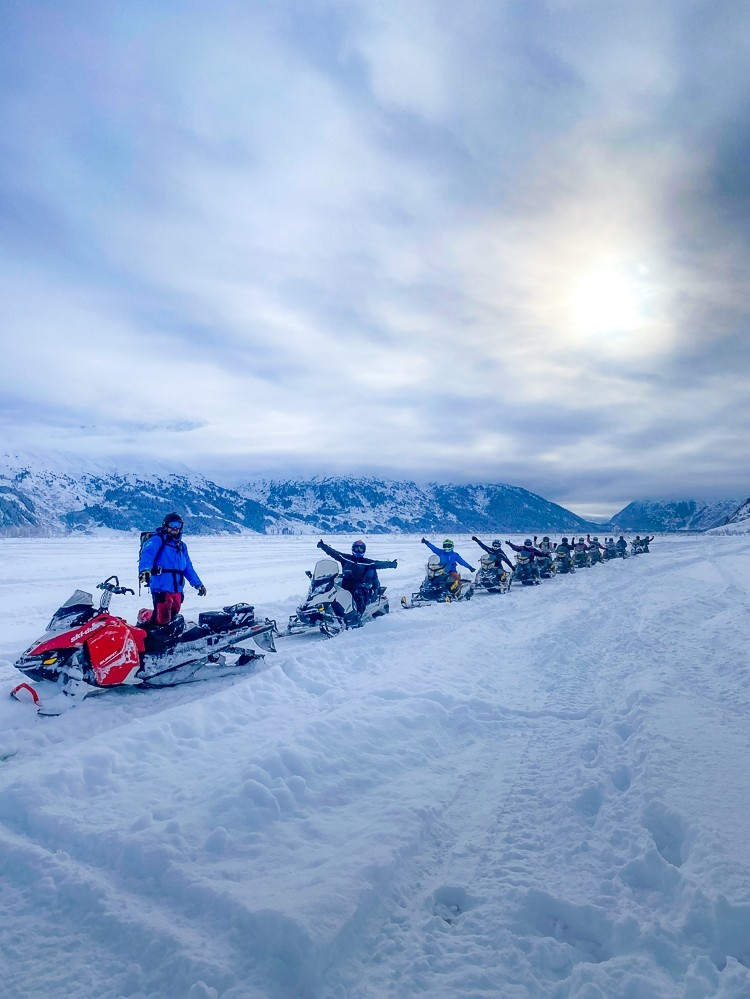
(87, 632)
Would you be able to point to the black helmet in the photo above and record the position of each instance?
(527, 543)
(173, 519)
(497, 543)
(545, 538)
(564, 541)
(358, 547)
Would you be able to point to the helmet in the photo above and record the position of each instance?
(497, 544)
(545, 538)
(358, 547)
(447, 545)
(527, 543)
(564, 541)
(173, 520)
(580, 540)
(596, 538)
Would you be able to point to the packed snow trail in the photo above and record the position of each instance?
(540, 794)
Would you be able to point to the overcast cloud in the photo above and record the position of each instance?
(489, 241)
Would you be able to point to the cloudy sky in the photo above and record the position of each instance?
(500, 240)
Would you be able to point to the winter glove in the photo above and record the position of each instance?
(201, 591)
(473, 538)
(144, 577)
(319, 544)
(472, 569)
(394, 564)
(423, 541)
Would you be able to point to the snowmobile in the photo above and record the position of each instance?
(85, 649)
(436, 587)
(331, 609)
(581, 559)
(595, 556)
(547, 566)
(492, 577)
(563, 562)
(526, 571)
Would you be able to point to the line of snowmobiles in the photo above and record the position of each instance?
(86, 649)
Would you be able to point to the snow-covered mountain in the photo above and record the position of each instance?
(373, 506)
(674, 515)
(47, 495)
(738, 523)
(51, 494)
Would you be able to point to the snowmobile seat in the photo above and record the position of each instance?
(160, 637)
(230, 617)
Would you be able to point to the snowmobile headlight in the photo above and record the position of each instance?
(50, 661)
(321, 609)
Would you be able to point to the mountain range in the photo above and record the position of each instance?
(47, 494)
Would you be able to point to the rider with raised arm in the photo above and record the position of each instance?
(496, 551)
(450, 560)
(360, 575)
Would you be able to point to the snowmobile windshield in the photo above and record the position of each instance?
(325, 568)
(77, 608)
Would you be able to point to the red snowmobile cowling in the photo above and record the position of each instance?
(114, 648)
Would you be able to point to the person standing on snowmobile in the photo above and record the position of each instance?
(645, 542)
(496, 551)
(360, 575)
(164, 566)
(450, 560)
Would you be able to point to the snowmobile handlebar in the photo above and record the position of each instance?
(115, 587)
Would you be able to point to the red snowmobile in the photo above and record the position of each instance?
(86, 649)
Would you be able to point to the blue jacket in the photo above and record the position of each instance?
(168, 562)
(450, 560)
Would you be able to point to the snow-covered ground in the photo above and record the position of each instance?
(544, 794)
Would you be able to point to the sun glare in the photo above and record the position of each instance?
(606, 301)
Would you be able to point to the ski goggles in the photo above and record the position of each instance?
(174, 527)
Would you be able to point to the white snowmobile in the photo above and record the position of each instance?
(492, 577)
(329, 608)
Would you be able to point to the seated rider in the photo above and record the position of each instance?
(645, 542)
(621, 545)
(360, 575)
(594, 543)
(532, 553)
(545, 545)
(496, 551)
(450, 560)
(564, 551)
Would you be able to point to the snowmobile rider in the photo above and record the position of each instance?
(532, 553)
(565, 551)
(164, 566)
(545, 545)
(622, 546)
(496, 551)
(360, 575)
(645, 542)
(450, 561)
